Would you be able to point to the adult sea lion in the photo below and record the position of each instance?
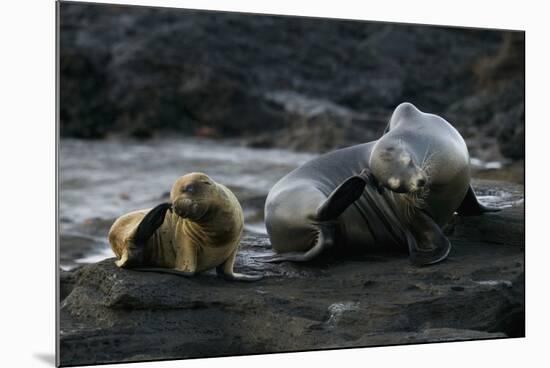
(340, 199)
(198, 230)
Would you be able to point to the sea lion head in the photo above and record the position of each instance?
(395, 168)
(192, 195)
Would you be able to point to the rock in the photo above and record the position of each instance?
(83, 240)
(78, 244)
(318, 125)
(512, 172)
(498, 103)
(505, 227)
(140, 70)
(67, 281)
(110, 314)
(511, 135)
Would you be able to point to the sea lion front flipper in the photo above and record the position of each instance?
(146, 228)
(470, 206)
(150, 223)
(234, 276)
(342, 197)
(427, 243)
(164, 270)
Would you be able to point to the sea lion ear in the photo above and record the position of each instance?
(341, 198)
(427, 243)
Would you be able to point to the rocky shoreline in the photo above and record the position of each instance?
(287, 82)
(112, 315)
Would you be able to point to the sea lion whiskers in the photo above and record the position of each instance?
(416, 200)
(426, 154)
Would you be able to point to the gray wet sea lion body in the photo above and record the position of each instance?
(397, 191)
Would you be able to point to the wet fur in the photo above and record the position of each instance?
(424, 191)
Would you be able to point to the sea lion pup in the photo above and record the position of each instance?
(200, 229)
(341, 199)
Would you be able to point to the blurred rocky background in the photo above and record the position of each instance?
(285, 82)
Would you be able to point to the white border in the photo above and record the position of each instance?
(27, 114)
(458, 13)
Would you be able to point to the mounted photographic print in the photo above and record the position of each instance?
(234, 184)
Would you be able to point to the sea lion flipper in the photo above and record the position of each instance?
(164, 270)
(470, 206)
(427, 243)
(146, 228)
(341, 198)
(324, 240)
(225, 270)
(150, 223)
(234, 276)
(242, 277)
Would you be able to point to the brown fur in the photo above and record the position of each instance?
(202, 232)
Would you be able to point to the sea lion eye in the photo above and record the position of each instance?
(189, 188)
(386, 156)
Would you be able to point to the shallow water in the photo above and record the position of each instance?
(101, 180)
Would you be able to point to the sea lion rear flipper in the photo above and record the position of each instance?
(470, 206)
(324, 240)
(225, 270)
(146, 228)
(342, 197)
(428, 245)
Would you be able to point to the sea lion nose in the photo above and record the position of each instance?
(420, 182)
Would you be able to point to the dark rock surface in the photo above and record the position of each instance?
(109, 314)
(304, 83)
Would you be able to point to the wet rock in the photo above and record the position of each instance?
(83, 239)
(505, 228)
(511, 136)
(111, 314)
(67, 282)
(497, 105)
(318, 125)
(78, 244)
